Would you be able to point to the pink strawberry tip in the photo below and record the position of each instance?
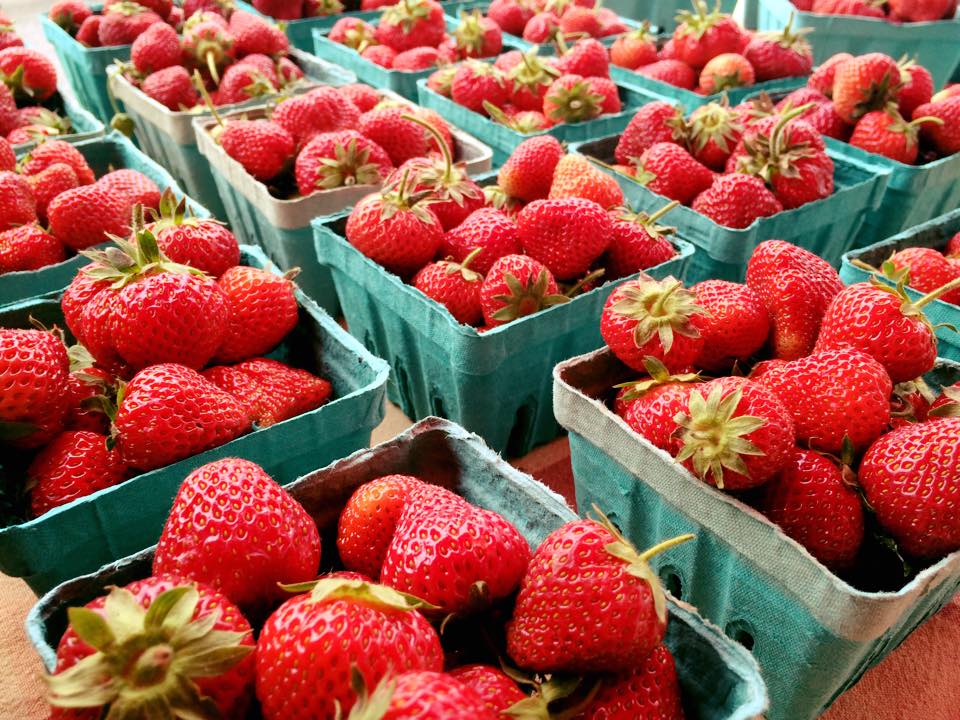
(951, 408)
(658, 375)
(638, 562)
(328, 589)
(525, 299)
(712, 438)
(147, 659)
(661, 308)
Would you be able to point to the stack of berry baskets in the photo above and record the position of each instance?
(253, 63)
(927, 29)
(816, 468)
(281, 383)
(372, 613)
(34, 261)
(317, 154)
(923, 258)
(473, 337)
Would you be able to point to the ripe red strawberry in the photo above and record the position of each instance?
(865, 83)
(948, 91)
(607, 89)
(565, 234)
(515, 286)
(713, 132)
(649, 690)
(671, 71)
(487, 230)
(944, 136)
(244, 80)
(796, 287)
(634, 49)
(650, 405)
(419, 58)
(476, 82)
(833, 395)
(33, 372)
(255, 35)
(701, 35)
(261, 311)
(511, 15)
(637, 242)
(927, 270)
(49, 183)
(528, 172)
(341, 624)
(394, 230)
(124, 22)
(75, 464)
(821, 79)
(910, 477)
(17, 204)
(862, 8)
(423, 695)
(886, 133)
(736, 200)
(401, 138)
(575, 176)
(916, 90)
(583, 574)
(413, 24)
(780, 54)
(669, 170)
(725, 71)
(8, 158)
(133, 187)
(441, 80)
(920, 11)
(29, 74)
(321, 110)
(572, 98)
(88, 391)
(262, 147)
(655, 122)
(478, 36)
(88, 34)
(947, 404)
(352, 32)
(454, 285)
(172, 87)
(497, 689)
(69, 14)
(363, 97)
(208, 45)
(381, 55)
(157, 48)
(542, 27)
(587, 58)
(195, 620)
(337, 159)
(51, 152)
(658, 318)
(736, 324)
(821, 115)
(579, 21)
(83, 217)
(28, 247)
(815, 505)
(279, 9)
(201, 243)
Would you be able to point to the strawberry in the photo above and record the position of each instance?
(69, 14)
(88, 34)
(923, 10)
(511, 15)
(796, 287)
(649, 690)
(369, 519)
(75, 464)
(650, 405)
(670, 71)
(441, 80)
(944, 136)
(393, 229)
(587, 58)
(865, 83)
(572, 98)
(168, 622)
(381, 55)
(201, 243)
(736, 324)
(279, 9)
(927, 270)
(814, 504)
(454, 285)
(411, 24)
(579, 21)
(820, 113)
(486, 230)
(637, 242)
(478, 36)
(29, 133)
(85, 216)
(657, 121)
(33, 373)
(403, 139)
(338, 626)
(713, 132)
(701, 35)
(909, 477)
(322, 110)
(51, 152)
(255, 35)
(28, 73)
(610, 103)
(947, 404)
(352, 32)
(565, 234)
(262, 310)
(952, 250)
(8, 158)
(157, 48)
(208, 45)
(172, 87)
(725, 71)
(265, 537)
(497, 689)
(90, 390)
(244, 80)
(515, 286)
(123, 22)
(262, 147)
(886, 133)
(528, 172)
(780, 54)
(423, 695)
(736, 200)
(658, 318)
(541, 28)
(133, 187)
(338, 159)
(575, 176)
(584, 573)
(28, 247)
(948, 91)
(669, 170)
(916, 88)
(822, 78)
(17, 204)
(634, 49)
(419, 58)
(363, 97)
(476, 82)
(833, 396)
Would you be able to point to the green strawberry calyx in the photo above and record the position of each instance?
(560, 697)
(406, 14)
(658, 375)
(713, 438)
(776, 154)
(463, 267)
(788, 38)
(446, 181)
(350, 165)
(173, 212)
(714, 121)
(329, 589)
(648, 221)
(575, 103)
(531, 71)
(496, 197)
(950, 408)
(700, 20)
(914, 308)
(146, 660)
(661, 308)
(523, 122)
(470, 33)
(525, 299)
(395, 198)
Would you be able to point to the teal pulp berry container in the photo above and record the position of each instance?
(79, 537)
(718, 678)
(936, 45)
(110, 152)
(495, 383)
(168, 136)
(83, 125)
(933, 234)
(662, 14)
(826, 227)
(813, 634)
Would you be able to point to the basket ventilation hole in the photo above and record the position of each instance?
(672, 582)
(742, 632)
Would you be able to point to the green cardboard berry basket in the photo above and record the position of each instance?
(827, 227)
(933, 234)
(169, 137)
(718, 678)
(282, 227)
(83, 125)
(110, 152)
(936, 45)
(813, 634)
(495, 383)
(79, 537)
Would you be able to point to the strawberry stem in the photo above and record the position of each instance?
(938, 293)
(207, 100)
(212, 66)
(444, 149)
(665, 545)
(653, 217)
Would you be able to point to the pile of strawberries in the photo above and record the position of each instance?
(833, 423)
(148, 314)
(541, 21)
(709, 52)
(925, 269)
(895, 11)
(528, 93)
(492, 255)
(412, 35)
(441, 613)
(120, 22)
(297, 9)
